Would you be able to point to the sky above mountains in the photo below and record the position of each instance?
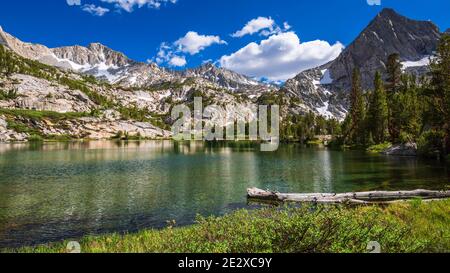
(270, 39)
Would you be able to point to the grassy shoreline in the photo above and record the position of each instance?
(413, 226)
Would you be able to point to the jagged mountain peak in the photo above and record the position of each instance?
(391, 17)
(26, 50)
(209, 65)
(2, 41)
(389, 13)
(97, 45)
(94, 53)
(226, 78)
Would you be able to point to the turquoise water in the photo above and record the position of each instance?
(55, 191)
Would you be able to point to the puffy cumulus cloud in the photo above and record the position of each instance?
(280, 57)
(95, 10)
(128, 5)
(193, 42)
(174, 54)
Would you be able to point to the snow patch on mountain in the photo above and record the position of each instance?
(422, 62)
(324, 111)
(326, 78)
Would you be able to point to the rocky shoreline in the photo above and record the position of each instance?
(406, 149)
(92, 128)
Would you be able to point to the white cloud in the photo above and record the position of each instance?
(95, 10)
(193, 43)
(178, 61)
(128, 5)
(264, 26)
(91, 8)
(73, 2)
(166, 54)
(280, 57)
(286, 26)
(255, 26)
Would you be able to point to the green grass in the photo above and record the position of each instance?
(315, 142)
(21, 127)
(406, 227)
(59, 138)
(379, 148)
(40, 115)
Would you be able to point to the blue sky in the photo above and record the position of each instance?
(299, 32)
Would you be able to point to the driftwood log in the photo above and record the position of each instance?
(372, 197)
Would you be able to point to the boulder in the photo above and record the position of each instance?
(407, 149)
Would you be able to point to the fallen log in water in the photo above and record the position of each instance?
(372, 197)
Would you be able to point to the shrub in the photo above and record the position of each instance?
(379, 148)
(430, 144)
(21, 127)
(35, 138)
(404, 137)
(8, 95)
(59, 138)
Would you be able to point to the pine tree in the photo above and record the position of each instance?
(394, 73)
(357, 111)
(378, 111)
(393, 84)
(408, 109)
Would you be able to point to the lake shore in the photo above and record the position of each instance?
(413, 226)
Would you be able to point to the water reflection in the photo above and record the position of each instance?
(58, 190)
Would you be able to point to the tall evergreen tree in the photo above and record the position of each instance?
(408, 109)
(357, 111)
(378, 111)
(394, 73)
(393, 85)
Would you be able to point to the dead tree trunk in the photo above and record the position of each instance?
(373, 197)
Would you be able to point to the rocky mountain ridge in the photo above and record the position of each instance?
(116, 68)
(228, 79)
